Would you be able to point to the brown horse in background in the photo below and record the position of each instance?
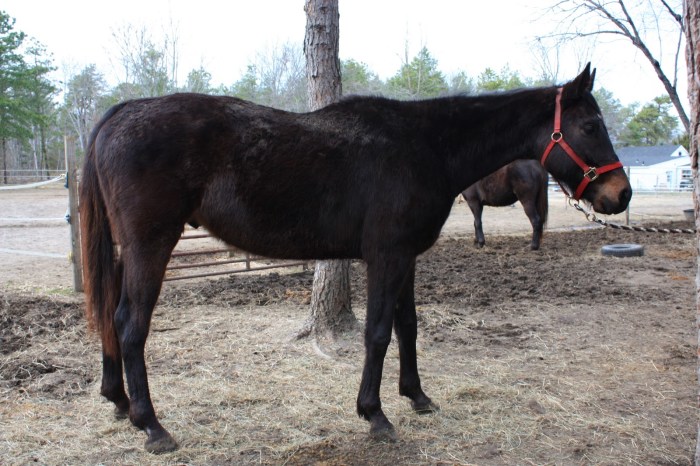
(367, 178)
(523, 180)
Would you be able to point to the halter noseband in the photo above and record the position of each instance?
(589, 173)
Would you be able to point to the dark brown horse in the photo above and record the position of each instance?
(522, 180)
(366, 178)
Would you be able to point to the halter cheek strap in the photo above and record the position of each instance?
(589, 173)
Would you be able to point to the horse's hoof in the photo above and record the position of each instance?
(120, 414)
(480, 245)
(425, 408)
(383, 433)
(160, 443)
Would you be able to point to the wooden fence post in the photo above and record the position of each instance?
(72, 184)
(627, 210)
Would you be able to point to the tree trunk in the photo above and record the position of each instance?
(691, 12)
(321, 50)
(4, 160)
(44, 155)
(331, 311)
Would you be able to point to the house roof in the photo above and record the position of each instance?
(649, 155)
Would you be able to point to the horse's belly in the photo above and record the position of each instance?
(284, 236)
(503, 200)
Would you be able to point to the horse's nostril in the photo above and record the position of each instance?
(625, 196)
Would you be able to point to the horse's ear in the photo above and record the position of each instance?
(582, 83)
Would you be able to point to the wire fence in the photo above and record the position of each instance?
(27, 176)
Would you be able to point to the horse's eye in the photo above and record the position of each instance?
(590, 128)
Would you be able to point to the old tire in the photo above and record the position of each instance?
(623, 250)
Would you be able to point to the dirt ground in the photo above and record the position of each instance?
(560, 356)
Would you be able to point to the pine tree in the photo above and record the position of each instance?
(15, 116)
(418, 79)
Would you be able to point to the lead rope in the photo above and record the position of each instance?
(592, 217)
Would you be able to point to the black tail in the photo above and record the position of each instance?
(101, 272)
(543, 200)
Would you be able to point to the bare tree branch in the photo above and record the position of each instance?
(678, 17)
(576, 14)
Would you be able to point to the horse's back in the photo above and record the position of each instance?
(275, 183)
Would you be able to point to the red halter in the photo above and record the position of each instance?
(589, 173)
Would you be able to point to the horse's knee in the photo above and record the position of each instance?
(378, 340)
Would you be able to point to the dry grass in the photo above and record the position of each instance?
(577, 359)
(582, 360)
(233, 388)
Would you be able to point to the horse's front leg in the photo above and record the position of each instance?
(406, 328)
(385, 278)
(144, 270)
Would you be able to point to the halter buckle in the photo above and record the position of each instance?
(591, 174)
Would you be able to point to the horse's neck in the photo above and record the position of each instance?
(496, 130)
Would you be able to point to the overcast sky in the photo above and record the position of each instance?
(223, 37)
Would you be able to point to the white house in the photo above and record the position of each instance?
(657, 167)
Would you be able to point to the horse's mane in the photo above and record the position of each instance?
(349, 100)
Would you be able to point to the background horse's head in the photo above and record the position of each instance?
(580, 155)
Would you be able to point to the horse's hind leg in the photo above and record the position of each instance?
(530, 206)
(144, 268)
(112, 386)
(113, 382)
(406, 328)
(477, 209)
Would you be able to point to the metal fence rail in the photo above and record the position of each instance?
(14, 177)
(248, 260)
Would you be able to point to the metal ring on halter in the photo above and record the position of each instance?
(591, 174)
(557, 136)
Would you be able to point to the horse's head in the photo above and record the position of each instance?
(580, 155)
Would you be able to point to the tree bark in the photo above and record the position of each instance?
(331, 311)
(691, 13)
(321, 50)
